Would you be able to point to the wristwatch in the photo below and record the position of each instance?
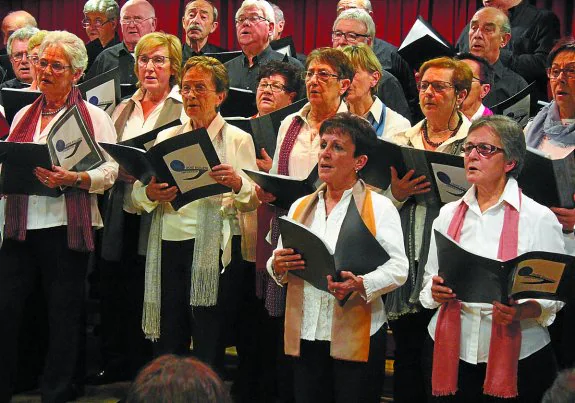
(78, 182)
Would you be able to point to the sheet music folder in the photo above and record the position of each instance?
(476, 278)
(423, 43)
(182, 161)
(239, 102)
(103, 91)
(224, 57)
(517, 107)
(16, 99)
(285, 188)
(146, 141)
(356, 249)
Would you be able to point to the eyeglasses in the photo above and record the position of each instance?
(97, 23)
(348, 36)
(57, 67)
(476, 79)
(197, 89)
(33, 59)
(136, 20)
(18, 57)
(483, 149)
(157, 61)
(438, 86)
(274, 87)
(321, 75)
(554, 72)
(252, 19)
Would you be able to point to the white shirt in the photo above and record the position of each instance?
(304, 155)
(48, 212)
(539, 230)
(240, 153)
(137, 125)
(318, 305)
(478, 113)
(394, 122)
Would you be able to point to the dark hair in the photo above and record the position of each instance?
(485, 69)
(173, 379)
(357, 128)
(291, 73)
(511, 136)
(565, 43)
(335, 58)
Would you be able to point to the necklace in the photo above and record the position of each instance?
(50, 113)
(433, 143)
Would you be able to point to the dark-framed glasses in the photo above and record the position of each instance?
(554, 72)
(483, 149)
(56, 67)
(348, 36)
(197, 89)
(157, 61)
(437, 86)
(97, 23)
(321, 75)
(135, 20)
(252, 19)
(273, 86)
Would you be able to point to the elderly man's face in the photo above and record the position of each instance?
(137, 20)
(343, 5)
(21, 65)
(253, 33)
(99, 25)
(349, 32)
(198, 20)
(485, 36)
(10, 24)
(500, 4)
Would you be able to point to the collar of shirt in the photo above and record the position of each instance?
(375, 110)
(213, 129)
(478, 113)
(259, 59)
(303, 112)
(510, 195)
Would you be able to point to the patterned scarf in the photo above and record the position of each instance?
(78, 208)
(548, 123)
(505, 345)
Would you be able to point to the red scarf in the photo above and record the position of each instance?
(501, 376)
(78, 209)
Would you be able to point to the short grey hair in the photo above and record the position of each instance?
(511, 136)
(563, 388)
(262, 5)
(278, 13)
(22, 34)
(108, 7)
(72, 46)
(358, 14)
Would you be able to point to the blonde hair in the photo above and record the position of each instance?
(214, 67)
(362, 57)
(36, 39)
(171, 42)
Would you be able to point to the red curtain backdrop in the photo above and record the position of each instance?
(308, 21)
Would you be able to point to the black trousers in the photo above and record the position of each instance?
(209, 327)
(318, 378)
(535, 374)
(409, 333)
(124, 347)
(43, 256)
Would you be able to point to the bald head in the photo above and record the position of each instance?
(489, 31)
(16, 20)
(343, 5)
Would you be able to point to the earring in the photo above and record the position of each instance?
(356, 170)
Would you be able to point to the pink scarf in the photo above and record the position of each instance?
(501, 376)
(78, 209)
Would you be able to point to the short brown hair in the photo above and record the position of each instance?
(218, 71)
(462, 74)
(335, 58)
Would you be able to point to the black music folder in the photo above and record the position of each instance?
(264, 129)
(476, 278)
(103, 90)
(239, 102)
(284, 45)
(224, 57)
(285, 188)
(356, 249)
(517, 107)
(127, 90)
(423, 43)
(182, 161)
(547, 181)
(16, 99)
(444, 171)
(146, 141)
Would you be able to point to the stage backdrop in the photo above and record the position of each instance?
(308, 21)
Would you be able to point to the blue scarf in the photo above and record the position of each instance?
(548, 123)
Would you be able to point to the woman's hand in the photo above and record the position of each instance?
(264, 196)
(566, 216)
(439, 292)
(286, 259)
(405, 187)
(160, 192)
(225, 175)
(265, 163)
(514, 312)
(56, 177)
(125, 176)
(349, 284)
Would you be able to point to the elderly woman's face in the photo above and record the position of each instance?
(325, 90)
(439, 102)
(199, 94)
(155, 69)
(362, 83)
(491, 167)
(272, 94)
(54, 72)
(563, 87)
(336, 164)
